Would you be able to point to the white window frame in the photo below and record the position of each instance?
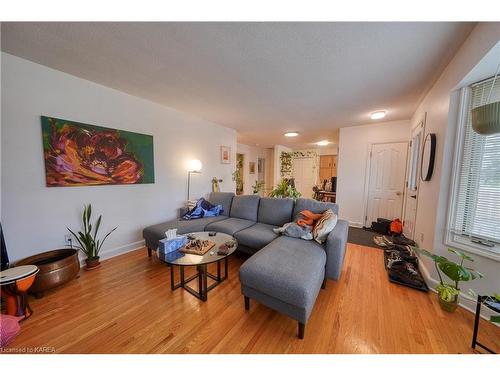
(453, 240)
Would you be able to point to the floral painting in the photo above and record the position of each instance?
(79, 154)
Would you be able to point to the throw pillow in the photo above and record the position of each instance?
(324, 226)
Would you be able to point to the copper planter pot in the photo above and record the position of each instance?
(57, 267)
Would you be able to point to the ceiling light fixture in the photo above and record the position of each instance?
(323, 143)
(291, 134)
(377, 115)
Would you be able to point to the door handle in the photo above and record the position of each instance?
(413, 196)
(398, 193)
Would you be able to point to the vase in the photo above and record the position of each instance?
(92, 263)
(449, 306)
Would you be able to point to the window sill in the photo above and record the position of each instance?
(470, 247)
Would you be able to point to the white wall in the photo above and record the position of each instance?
(352, 161)
(252, 154)
(442, 120)
(35, 217)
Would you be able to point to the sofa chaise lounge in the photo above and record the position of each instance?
(283, 273)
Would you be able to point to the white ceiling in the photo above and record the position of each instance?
(262, 79)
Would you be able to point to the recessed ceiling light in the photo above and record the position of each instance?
(323, 143)
(377, 115)
(291, 134)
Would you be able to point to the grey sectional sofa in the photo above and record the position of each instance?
(284, 273)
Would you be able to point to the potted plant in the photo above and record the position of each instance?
(87, 239)
(448, 293)
(257, 188)
(285, 190)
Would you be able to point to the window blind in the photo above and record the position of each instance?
(477, 200)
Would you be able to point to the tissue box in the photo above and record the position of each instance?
(167, 246)
(174, 244)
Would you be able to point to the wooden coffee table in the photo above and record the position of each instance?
(177, 258)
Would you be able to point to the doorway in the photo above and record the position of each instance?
(413, 180)
(304, 174)
(387, 170)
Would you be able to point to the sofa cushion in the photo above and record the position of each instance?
(314, 206)
(229, 226)
(275, 211)
(288, 269)
(224, 199)
(245, 207)
(257, 236)
(154, 233)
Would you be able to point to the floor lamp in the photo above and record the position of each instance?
(194, 166)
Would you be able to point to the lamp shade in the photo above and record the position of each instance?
(486, 119)
(194, 165)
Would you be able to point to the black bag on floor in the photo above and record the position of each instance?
(381, 226)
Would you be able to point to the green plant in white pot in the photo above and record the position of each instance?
(87, 239)
(448, 293)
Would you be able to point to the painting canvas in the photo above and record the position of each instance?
(225, 155)
(251, 167)
(79, 154)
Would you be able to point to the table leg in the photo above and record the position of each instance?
(476, 322)
(202, 282)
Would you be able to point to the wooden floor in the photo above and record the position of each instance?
(126, 306)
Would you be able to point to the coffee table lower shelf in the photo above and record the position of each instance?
(202, 275)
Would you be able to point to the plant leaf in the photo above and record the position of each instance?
(460, 254)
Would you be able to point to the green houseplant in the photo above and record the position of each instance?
(285, 190)
(87, 239)
(448, 293)
(257, 188)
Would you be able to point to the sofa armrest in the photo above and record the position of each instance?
(335, 249)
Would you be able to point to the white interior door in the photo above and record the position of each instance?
(413, 180)
(304, 174)
(386, 181)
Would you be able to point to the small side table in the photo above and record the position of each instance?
(14, 285)
(480, 301)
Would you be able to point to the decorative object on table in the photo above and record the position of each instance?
(56, 268)
(194, 166)
(492, 303)
(78, 154)
(285, 190)
(215, 184)
(197, 247)
(428, 157)
(225, 154)
(251, 167)
(14, 285)
(258, 187)
(448, 294)
(87, 239)
(203, 208)
(9, 329)
(486, 117)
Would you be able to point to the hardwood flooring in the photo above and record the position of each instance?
(126, 306)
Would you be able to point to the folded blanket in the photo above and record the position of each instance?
(294, 230)
(203, 208)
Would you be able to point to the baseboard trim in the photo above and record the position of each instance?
(356, 224)
(465, 300)
(111, 253)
